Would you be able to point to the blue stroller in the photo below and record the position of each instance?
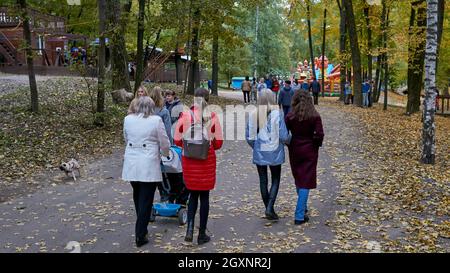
(174, 194)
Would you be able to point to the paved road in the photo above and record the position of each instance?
(97, 210)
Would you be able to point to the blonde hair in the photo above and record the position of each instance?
(266, 103)
(143, 88)
(156, 95)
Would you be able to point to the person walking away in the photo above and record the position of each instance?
(145, 139)
(275, 87)
(305, 125)
(305, 85)
(285, 98)
(156, 95)
(246, 88)
(266, 133)
(210, 84)
(269, 82)
(365, 93)
(253, 94)
(296, 86)
(347, 92)
(315, 89)
(199, 175)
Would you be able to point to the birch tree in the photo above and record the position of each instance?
(428, 132)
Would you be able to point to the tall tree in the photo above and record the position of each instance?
(441, 9)
(101, 63)
(311, 52)
(29, 53)
(215, 64)
(369, 45)
(140, 46)
(119, 59)
(342, 49)
(386, 60)
(323, 48)
(416, 54)
(356, 53)
(194, 69)
(428, 132)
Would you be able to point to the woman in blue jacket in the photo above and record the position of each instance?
(266, 133)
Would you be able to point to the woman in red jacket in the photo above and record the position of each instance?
(199, 175)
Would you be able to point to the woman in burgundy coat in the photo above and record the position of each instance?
(305, 124)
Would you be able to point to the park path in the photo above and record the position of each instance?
(97, 210)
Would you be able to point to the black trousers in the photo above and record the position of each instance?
(264, 182)
(246, 96)
(204, 207)
(316, 98)
(143, 194)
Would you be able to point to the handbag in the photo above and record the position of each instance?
(195, 141)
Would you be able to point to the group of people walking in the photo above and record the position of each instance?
(148, 135)
(269, 130)
(252, 90)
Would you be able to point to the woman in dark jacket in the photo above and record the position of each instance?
(305, 124)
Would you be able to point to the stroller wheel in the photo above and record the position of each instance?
(182, 216)
(152, 216)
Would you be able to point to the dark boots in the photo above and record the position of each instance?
(270, 212)
(202, 237)
(142, 241)
(190, 231)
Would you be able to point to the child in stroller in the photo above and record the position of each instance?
(174, 194)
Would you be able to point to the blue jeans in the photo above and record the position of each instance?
(365, 99)
(286, 110)
(301, 204)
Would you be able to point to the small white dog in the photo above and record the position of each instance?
(70, 167)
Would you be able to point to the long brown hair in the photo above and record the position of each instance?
(156, 95)
(302, 106)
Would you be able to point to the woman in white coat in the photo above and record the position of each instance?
(146, 139)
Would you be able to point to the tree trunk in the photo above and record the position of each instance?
(29, 54)
(356, 53)
(178, 62)
(386, 59)
(428, 133)
(369, 48)
(119, 58)
(99, 119)
(416, 54)
(323, 49)
(380, 58)
(380, 84)
(140, 46)
(311, 52)
(194, 70)
(215, 64)
(342, 50)
(441, 9)
(376, 89)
